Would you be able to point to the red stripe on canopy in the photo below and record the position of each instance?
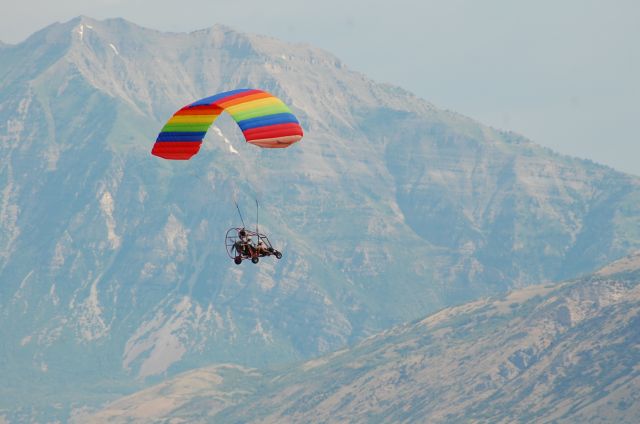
(177, 150)
(272, 131)
(200, 110)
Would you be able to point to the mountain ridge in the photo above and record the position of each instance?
(549, 363)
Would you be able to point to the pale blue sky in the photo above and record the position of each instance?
(564, 73)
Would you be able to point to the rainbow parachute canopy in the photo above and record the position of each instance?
(263, 118)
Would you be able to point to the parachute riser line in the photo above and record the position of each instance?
(257, 230)
(239, 213)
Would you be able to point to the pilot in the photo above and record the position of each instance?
(244, 246)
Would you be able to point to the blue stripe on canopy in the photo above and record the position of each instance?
(261, 121)
(214, 98)
(181, 136)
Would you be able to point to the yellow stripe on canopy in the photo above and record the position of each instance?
(195, 119)
(254, 104)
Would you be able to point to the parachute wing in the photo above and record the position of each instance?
(263, 118)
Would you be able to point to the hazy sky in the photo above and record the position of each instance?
(565, 73)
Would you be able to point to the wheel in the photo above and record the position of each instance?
(255, 259)
(278, 254)
(237, 260)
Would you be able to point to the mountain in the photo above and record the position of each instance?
(112, 268)
(555, 353)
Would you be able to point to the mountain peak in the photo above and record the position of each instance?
(133, 63)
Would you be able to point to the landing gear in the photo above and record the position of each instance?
(255, 246)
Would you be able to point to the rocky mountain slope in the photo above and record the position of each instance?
(112, 268)
(556, 353)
